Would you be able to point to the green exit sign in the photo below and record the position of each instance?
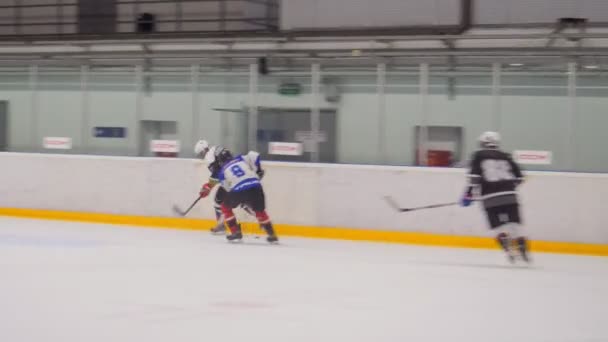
(290, 89)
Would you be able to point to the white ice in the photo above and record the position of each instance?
(68, 282)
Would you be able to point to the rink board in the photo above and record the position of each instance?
(354, 234)
(310, 200)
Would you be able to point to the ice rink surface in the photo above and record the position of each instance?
(68, 282)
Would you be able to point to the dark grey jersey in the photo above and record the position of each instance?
(496, 176)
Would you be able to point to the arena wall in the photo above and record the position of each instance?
(318, 200)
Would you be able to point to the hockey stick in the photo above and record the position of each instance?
(396, 206)
(182, 213)
(247, 209)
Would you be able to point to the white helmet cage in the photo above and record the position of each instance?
(489, 139)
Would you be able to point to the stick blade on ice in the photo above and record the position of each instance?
(178, 211)
(391, 201)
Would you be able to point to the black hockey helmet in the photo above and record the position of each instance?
(223, 156)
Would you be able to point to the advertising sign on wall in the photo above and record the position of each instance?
(533, 157)
(285, 148)
(57, 143)
(165, 146)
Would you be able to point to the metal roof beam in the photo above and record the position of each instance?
(264, 36)
(84, 52)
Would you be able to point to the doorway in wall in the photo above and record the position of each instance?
(294, 125)
(3, 125)
(157, 130)
(286, 125)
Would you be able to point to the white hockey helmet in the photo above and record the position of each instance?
(489, 139)
(209, 158)
(201, 148)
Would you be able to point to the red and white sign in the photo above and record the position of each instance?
(533, 157)
(285, 148)
(166, 146)
(57, 143)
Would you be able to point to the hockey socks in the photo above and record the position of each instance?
(218, 212)
(265, 223)
(503, 241)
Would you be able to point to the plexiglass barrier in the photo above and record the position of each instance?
(424, 115)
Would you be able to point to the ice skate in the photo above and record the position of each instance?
(219, 229)
(272, 236)
(235, 237)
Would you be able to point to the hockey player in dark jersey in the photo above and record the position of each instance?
(493, 180)
(204, 151)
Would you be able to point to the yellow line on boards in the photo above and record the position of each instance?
(401, 237)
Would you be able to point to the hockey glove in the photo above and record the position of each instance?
(260, 173)
(205, 190)
(467, 199)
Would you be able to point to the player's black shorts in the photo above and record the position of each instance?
(497, 216)
(220, 195)
(253, 198)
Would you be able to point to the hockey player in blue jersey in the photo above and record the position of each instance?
(240, 177)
